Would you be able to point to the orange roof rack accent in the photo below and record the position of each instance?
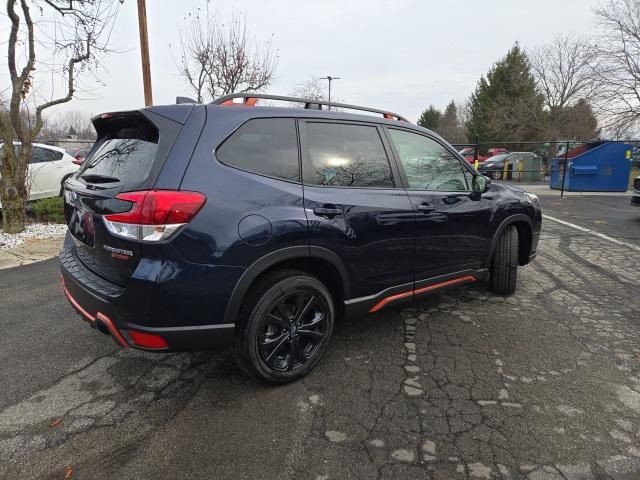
(247, 102)
(250, 99)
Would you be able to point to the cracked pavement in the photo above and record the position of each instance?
(544, 384)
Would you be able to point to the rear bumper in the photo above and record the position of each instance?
(115, 310)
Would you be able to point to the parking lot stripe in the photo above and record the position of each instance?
(593, 232)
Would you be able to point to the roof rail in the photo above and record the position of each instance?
(250, 100)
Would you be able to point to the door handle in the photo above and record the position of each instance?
(426, 207)
(327, 211)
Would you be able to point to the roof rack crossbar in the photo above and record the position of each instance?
(250, 99)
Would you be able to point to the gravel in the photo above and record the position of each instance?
(32, 232)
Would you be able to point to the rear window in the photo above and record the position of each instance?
(124, 152)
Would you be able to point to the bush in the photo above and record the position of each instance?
(49, 210)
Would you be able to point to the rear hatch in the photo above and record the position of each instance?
(129, 152)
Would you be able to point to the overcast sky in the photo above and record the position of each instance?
(400, 55)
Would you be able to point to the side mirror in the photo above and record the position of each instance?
(479, 185)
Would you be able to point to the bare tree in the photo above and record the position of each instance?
(618, 70)
(218, 58)
(563, 71)
(73, 33)
(75, 123)
(311, 89)
(66, 124)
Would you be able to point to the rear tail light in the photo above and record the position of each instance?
(77, 161)
(155, 215)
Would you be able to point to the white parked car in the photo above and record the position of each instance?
(49, 167)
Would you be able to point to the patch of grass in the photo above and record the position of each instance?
(49, 210)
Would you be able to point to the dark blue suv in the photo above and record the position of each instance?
(201, 226)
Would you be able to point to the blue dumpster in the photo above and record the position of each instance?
(594, 167)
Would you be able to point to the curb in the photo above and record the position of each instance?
(32, 251)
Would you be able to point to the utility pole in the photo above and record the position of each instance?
(330, 78)
(144, 50)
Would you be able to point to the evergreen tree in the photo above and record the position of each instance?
(507, 105)
(450, 127)
(430, 118)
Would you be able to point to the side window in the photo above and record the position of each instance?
(42, 155)
(38, 155)
(427, 164)
(266, 146)
(344, 155)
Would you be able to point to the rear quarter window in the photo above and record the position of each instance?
(266, 146)
(42, 155)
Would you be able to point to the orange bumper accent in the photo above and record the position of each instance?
(112, 329)
(76, 305)
(117, 336)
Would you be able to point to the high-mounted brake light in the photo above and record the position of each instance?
(155, 215)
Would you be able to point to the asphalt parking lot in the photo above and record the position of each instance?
(544, 384)
(611, 215)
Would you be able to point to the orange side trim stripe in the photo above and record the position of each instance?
(384, 301)
(453, 281)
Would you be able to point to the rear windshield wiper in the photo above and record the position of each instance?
(97, 178)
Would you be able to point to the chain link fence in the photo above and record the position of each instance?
(559, 167)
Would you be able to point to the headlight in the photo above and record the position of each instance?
(532, 198)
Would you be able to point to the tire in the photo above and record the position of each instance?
(279, 350)
(504, 264)
(496, 174)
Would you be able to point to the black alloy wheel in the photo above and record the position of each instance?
(284, 326)
(292, 330)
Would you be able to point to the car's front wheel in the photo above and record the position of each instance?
(284, 326)
(504, 264)
(496, 174)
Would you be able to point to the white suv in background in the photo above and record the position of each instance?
(49, 167)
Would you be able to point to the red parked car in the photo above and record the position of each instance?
(79, 155)
(468, 154)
